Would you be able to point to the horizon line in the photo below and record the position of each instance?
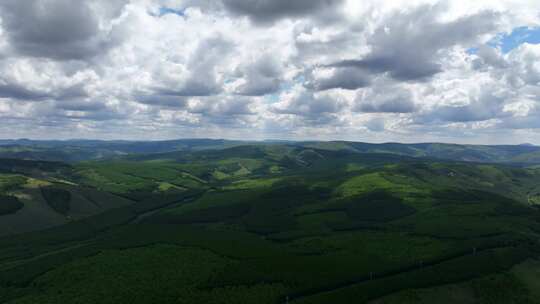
(266, 140)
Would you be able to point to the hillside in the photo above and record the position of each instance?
(526, 154)
(80, 150)
(270, 223)
(38, 195)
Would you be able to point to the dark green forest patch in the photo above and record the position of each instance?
(377, 206)
(59, 199)
(9, 204)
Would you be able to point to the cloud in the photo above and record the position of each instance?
(156, 99)
(385, 99)
(221, 106)
(524, 68)
(267, 11)
(34, 80)
(487, 106)
(309, 107)
(260, 77)
(202, 67)
(337, 78)
(173, 84)
(375, 125)
(489, 57)
(81, 105)
(17, 91)
(529, 121)
(408, 44)
(360, 70)
(60, 29)
(221, 111)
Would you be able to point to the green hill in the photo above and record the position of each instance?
(266, 222)
(81, 150)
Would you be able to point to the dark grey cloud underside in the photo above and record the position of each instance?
(265, 11)
(406, 47)
(344, 78)
(161, 100)
(388, 106)
(201, 81)
(61, 30)
(262, 76)
(486, 107)
(56, 69)
(21, 92)
(387, 100)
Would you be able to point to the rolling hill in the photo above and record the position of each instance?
(80, 150)
(271, 223)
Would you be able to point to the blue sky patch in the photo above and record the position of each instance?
(472, 51)
(520, 35)
(167, 10)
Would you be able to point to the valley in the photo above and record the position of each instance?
(270, 223)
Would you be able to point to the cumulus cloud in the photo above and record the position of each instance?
(312, 108)
(260, 77)
(60, 29)
(322, 79)
(174, 84)
(385, 99)
(524, 65)
(408, 44)
(18, 91)
(486, 107)
(265, 11)
(221, 106)
(34, 80)
(489, 57)
(158, 99)
(359, 70)
(375, 124)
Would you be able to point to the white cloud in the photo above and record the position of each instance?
(362, 70)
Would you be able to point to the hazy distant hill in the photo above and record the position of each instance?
(80, 150)
(476, 153)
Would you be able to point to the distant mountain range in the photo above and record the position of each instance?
(81, 150)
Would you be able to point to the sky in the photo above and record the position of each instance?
(377, 71)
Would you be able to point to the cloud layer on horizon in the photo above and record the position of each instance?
(330, 69)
